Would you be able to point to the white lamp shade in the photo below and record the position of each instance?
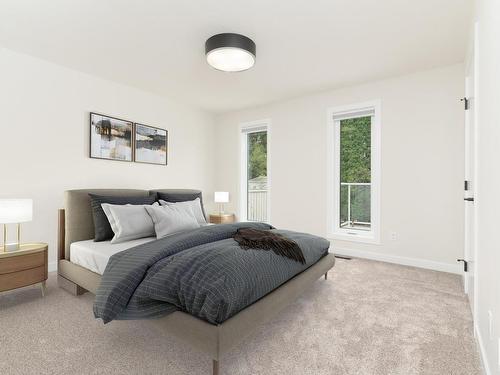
(16, 210)
(221, 197)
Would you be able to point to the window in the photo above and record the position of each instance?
(254, 172)
(354, 172)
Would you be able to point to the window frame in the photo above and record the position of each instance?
(245, 129)
(334, 116)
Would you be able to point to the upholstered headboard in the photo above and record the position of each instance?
(78, 221)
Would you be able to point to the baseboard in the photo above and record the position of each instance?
(52, 266)
(414, 262)
(482, 351)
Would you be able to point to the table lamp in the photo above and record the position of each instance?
(221, 197)
(14, 211)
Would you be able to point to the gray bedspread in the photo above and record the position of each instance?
(202, 272)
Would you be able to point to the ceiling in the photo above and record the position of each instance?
(302, 46)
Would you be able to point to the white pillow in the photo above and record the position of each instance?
(171, 219)
(194, 206)
(128, 221)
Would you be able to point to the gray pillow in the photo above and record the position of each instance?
(193, 206)
(102, 229)
(171, 219)
(129, 221)
(180, 196)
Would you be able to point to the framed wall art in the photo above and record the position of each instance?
(110, 138)
(151, 144)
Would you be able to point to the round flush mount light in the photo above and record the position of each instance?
(230, 52)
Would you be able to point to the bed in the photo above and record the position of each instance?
(95, 256)
(81, 264)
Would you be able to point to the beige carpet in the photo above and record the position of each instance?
(367, 318)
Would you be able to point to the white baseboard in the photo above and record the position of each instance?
(52, 266)
(414, 262)
(482, 351)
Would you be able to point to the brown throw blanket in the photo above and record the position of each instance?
(259, 239)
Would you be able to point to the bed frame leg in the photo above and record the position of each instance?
(215, 368)
(69, 286)
(326, 276)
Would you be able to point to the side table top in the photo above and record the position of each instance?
(25, 248)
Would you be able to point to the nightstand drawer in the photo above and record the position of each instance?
(22, 262)
(19, 279)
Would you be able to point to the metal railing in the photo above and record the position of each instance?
(257, 205)
(357, 207)
(355, 213)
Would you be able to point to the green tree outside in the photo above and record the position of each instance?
(355, 150)
(257, 154)
(355, 167)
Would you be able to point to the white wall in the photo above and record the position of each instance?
(45, 130)
(488, 184)
(422, 164)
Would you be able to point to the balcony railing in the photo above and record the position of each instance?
(355, 205)
(354, 211)
(257, 205)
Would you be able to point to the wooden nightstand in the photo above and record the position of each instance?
(23, 267)
(221, 218)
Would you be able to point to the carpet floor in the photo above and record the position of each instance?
(367, 318)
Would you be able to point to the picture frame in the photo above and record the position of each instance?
(150, 144)
(111, 138)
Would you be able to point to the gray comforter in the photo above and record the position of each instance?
(202, 272)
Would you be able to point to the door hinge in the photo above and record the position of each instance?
(465, 264)
(466, 103)
(466, 185)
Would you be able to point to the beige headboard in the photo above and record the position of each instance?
(76, 222)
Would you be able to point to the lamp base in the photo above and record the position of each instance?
(221, 209)
(11, 247)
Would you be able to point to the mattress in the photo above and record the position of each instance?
(94, 256)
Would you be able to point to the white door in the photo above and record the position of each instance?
(470, 157)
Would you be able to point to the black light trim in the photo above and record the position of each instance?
(230, 40)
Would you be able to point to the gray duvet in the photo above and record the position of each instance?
(202, 272)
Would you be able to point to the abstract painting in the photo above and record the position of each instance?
(150, 144)
(110, 138)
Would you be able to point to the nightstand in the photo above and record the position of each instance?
(26, 266)
(221, 218)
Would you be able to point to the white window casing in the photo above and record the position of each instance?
(246, 129)
(334, 116)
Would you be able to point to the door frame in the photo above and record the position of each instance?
(471, 74)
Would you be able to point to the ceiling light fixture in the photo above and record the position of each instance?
(230, 52)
